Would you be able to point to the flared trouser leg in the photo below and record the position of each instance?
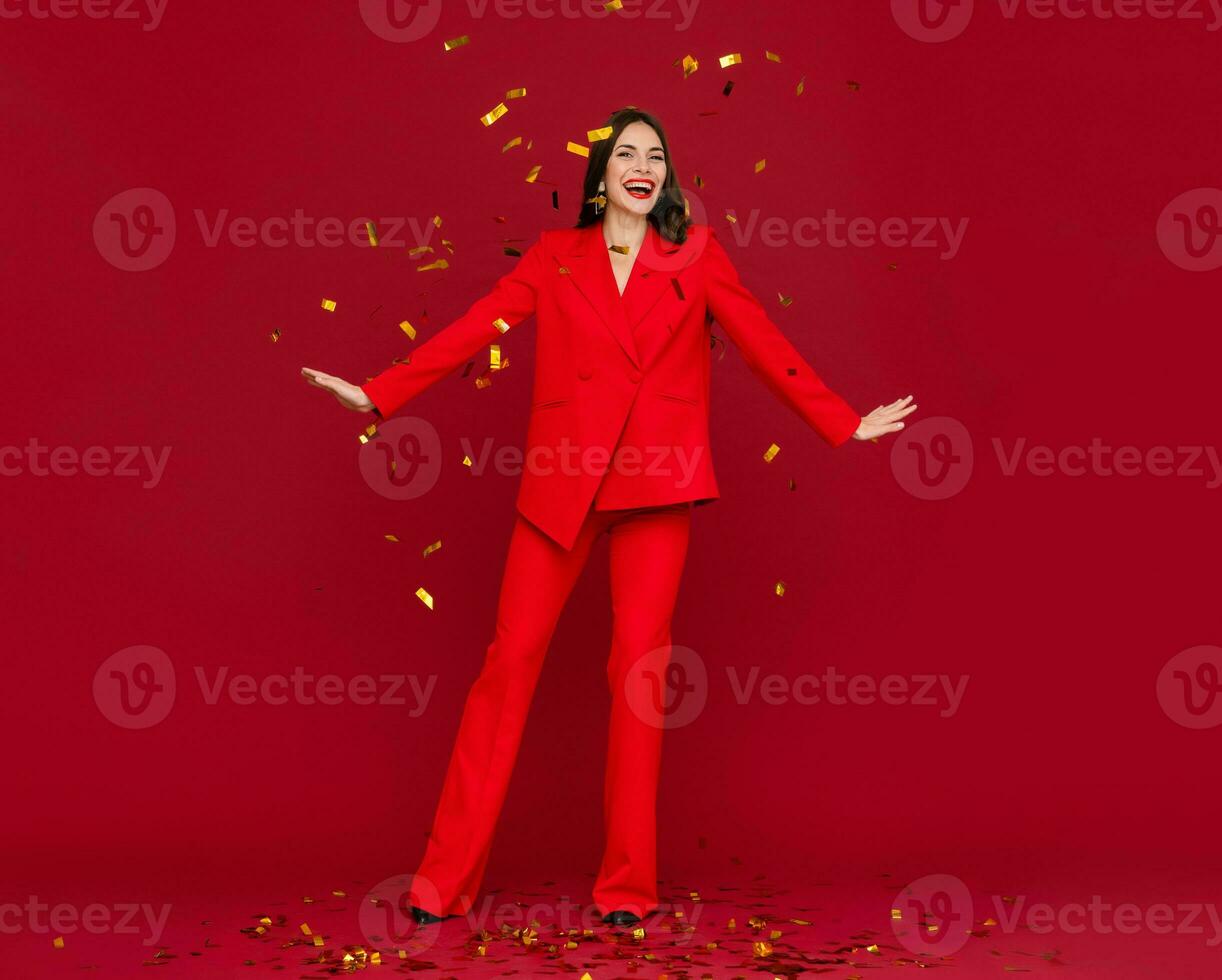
(648, 550)
(538, 578)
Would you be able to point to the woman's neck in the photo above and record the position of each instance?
(622, 227)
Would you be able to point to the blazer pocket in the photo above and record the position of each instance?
(553, 403)
(678, 398)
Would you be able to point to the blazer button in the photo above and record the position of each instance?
(634, 377)
(585, 374)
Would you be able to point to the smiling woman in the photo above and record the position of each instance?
(618, 443)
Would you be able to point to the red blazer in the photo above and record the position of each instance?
(620, 407)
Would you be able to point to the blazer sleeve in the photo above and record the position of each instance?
(511, 301)
(772, 358)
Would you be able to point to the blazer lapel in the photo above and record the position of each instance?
(657, 269)
(590, 269)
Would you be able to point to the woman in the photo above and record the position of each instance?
(617, 442)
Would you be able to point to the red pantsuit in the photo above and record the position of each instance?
(647, 547)
(617, 442)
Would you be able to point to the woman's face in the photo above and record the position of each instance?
(636, 169)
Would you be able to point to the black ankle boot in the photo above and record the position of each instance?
(427, 918)
(620, 917)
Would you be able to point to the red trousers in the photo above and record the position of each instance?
(648, 547)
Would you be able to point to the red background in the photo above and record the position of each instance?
(262, 548)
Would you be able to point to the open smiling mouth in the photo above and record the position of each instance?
(641, 189)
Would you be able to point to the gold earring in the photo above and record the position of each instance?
(600, 201)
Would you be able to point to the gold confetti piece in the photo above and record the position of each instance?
(436, 221)
(638, 933)
(874, 949)
(328, 305)
(495, 114)
(516, 141)
(58, 942)
(730, 59)
(516, 93)
(770, 453)
(307, 900)
(534, 172)
(319, 941)
(699, 181)
(690, 66)
(500, 324)
(483, 381)
(780, 587)
(733, 219)
(339, 893)
(854, 86)
(800, 922)
(423, 595)
(448, 244)
(372, 231)
(439, 264)
(621, 249)
(762, 948)
(530, 144)
(613, 5)
(408, 329)
(728, 89)
(494, 360)
(564, 271)
(761, 165)
(802, 85)
(391, 538)
(305, 930)
(458, 42)
(274, 336)
(598, 135)
(375, 958)
(369, 433)
(419, 250)
(775, 934)
(431, 548)
(581, 151)
(786, 301)
(891, 266)
(772, 56)
(466, 461)
(897, 913)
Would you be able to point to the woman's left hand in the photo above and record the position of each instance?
(884, 419)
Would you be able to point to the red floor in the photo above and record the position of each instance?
(840, 925)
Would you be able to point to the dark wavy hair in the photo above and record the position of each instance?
(669, 215)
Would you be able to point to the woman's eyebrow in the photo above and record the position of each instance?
(629, 146)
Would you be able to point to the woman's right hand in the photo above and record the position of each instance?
(348, 395)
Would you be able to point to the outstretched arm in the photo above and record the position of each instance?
(776, 362)
(510, 302)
